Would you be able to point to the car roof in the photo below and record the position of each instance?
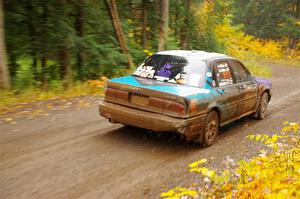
(201, 55)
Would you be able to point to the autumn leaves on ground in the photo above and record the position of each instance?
(36, 103)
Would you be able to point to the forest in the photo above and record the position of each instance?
(53, 44)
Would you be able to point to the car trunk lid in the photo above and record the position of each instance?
(149, 95)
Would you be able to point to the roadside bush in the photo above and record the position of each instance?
(250, 50)
(245, 47)
(273, 173)
(10, 98)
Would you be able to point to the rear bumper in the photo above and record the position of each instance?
(153, 121)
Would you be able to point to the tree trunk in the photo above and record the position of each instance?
(4, 74)
(66, 70)
(79, 29)
(164, 24)
(64, 54)
(33, 36)
(13, 65)
(112, 8)
(293, 41)
(43, 72)
(44, 50)
(177, 17)
(145, 23)
(184, 37)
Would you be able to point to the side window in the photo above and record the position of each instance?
(222, 74)
(241, 74)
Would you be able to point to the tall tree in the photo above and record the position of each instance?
(64, 53)
(164, 24)
(32, 36)
(112, 8)
(4, 74)
(44, 49)
(294, 33)
(184, 37)
(145, 22)
(80, 33)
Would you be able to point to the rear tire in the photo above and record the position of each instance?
(211, 130)
(263, 105)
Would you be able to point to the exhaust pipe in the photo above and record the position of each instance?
(112, 121)
(107, 116)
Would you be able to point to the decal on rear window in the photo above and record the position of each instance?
(223, 74)
(165, 71)
(145, 71)
(173, 69)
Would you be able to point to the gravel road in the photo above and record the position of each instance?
(74, 153)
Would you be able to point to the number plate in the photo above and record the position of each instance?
(139, 100)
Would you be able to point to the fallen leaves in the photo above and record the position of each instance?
(8, 119)
(35, 109)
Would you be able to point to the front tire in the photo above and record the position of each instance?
(211, 129)
(263, 105)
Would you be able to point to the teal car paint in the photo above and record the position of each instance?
(189, 92)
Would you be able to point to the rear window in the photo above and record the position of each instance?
(173, 69)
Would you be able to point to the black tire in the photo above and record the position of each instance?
(263, 105)
(211, 130)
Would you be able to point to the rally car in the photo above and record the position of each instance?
(193, 93)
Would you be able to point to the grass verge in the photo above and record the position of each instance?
(258, 69)
(12, 97)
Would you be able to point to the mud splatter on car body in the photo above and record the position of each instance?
(177, 90)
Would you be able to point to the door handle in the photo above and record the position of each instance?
(243, 86)
(222, 90)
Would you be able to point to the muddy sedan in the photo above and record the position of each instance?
(193, 93)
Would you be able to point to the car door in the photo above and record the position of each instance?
(248, 87)
(230, 95)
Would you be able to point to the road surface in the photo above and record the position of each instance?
(73, 153)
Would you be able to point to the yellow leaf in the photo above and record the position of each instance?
(195, 164)
(258, 137)
(9, 119)
(274, 138)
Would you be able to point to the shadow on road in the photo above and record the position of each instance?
(129, 136)
(133, 136)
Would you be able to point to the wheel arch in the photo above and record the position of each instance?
(217, 110)
(268, 91)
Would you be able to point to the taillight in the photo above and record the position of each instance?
(122, 95)
(116, 95)
(166, 106)
(110, 93)
(174, 108)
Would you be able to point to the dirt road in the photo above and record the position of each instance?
(75, 154)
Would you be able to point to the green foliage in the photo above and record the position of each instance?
(269, 19)
(64, 41)
(206, 22)
(24, 76)
(11, 98)
(274, 173)
(172, 42)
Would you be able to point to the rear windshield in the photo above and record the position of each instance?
(173, 69)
